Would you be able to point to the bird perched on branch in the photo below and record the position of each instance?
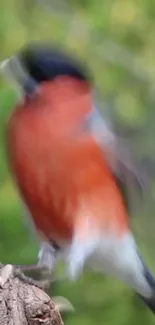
(66, 163)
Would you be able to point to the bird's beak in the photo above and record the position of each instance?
(18, 77)
(6, 69)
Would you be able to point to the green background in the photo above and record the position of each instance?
(117, 41)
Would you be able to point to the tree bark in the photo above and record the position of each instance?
(24, 304)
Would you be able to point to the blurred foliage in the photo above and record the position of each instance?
(116, 39)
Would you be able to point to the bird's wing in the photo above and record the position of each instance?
(130, 174)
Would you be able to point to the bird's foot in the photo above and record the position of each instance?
(42, 271)
(43, 283)
(26, 273)
(18, 271)
(37, 275)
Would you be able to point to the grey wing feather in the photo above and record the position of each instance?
(130, 178)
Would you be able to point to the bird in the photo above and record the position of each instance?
(67, 163)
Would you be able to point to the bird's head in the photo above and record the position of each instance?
(39, 62)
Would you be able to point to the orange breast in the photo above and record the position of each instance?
(61, 176)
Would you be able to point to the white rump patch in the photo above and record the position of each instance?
(113, 256)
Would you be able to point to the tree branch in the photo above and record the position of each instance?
(22, 303)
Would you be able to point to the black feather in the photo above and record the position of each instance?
(45, 62)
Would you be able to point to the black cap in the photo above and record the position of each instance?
(46, 62)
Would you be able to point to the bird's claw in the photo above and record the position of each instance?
(43, 272)
(42, 284)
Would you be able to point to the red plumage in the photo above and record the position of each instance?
(59, 168)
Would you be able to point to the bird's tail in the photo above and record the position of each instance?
(149, 301)
(120, 259)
